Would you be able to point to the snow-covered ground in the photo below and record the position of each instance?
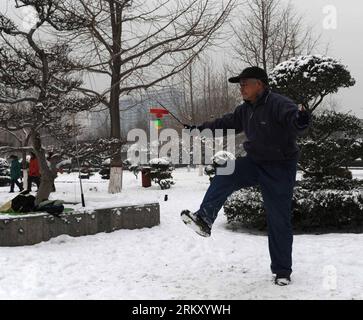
(170, 261)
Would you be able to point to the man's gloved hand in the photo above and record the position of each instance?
(303, 118)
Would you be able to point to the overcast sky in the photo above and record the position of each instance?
(345, 40)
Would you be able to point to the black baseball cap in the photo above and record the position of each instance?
(251, 73)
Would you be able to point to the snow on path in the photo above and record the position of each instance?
(170, 261)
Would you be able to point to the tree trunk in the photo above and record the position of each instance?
(25, 170)
(115, 180)
(264, 36)
(25, 178)
(115, 184)
(191, 93)
(45, 188)
(47, 176)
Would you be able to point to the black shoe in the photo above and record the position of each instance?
(282, 280)
(11, 191)
(194, 222)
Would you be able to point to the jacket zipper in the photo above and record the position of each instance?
(254, 108)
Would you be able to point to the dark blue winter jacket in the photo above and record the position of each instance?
(271, 126)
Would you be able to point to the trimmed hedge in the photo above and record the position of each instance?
(311, 210)
(330, 182)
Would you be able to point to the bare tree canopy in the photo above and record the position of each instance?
(138, 44)
(38, 85)
(271, 32)
(150, 40)
(207, 92)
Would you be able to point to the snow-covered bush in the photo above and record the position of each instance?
(246, 207)
(219, 160)
(105, 169)
(4, 163)
(328, 197)
(86, 170)
(331, 182)
(308, 79)
(311, 211)
(4, 172)
(161, 172)
(65, 165)
(333, 139)
(133, 167)
(333, 143)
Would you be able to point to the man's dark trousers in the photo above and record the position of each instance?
(276, 180)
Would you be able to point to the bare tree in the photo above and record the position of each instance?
(208, 93)
(271, 32)
(137, 44)
(37, 86)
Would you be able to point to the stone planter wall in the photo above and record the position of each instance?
(30, 230)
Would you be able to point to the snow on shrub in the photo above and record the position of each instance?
(318, 210)
(64, 163)
(132, 166)
(219, 160)
(160, 172)
(4, 172)
(331, 182)
(333, 143)
(4, 163)
(305, 78)
(106, 162)
(159, 161)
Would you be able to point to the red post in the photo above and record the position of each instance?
(145, 177)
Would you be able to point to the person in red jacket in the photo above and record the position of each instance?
(34, 173)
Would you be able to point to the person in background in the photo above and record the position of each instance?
(34, 173)
(15, 173)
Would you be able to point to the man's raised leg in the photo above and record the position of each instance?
(222, 186)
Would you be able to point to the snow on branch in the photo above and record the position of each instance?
(308, 79)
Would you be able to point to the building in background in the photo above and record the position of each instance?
(134, 113)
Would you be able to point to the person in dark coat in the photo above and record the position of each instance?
(34, 172)
(15, 173)
(271, 123)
